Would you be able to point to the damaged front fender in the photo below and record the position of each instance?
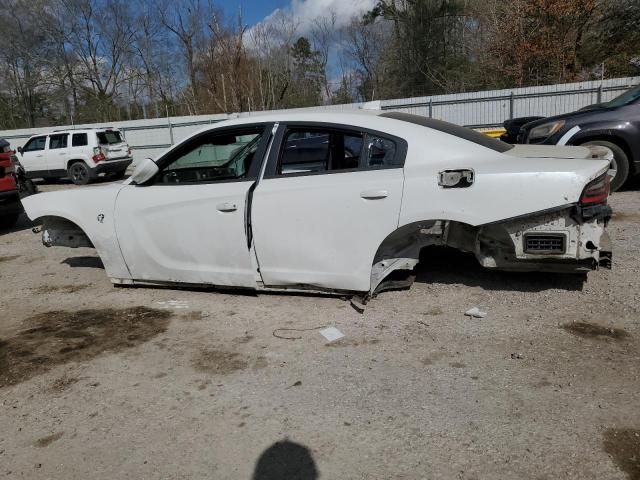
(60, 232)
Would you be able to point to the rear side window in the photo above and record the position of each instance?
(35, 144)
(317, 150)
(307, 151)
(109, 137)
(381, 152)
(79, 140)
(58, 141)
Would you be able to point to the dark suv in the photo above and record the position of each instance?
(614, 124)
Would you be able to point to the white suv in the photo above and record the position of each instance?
(82, 155)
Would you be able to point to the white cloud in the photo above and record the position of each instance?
(305, 12)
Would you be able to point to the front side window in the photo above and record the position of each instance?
(58, 141)
(213, 157)
(79, 140)
(35, 144)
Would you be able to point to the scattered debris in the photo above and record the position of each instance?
(475, 313)
(358, 304)
(48, 440)
(331, 334)
(297, 384)
(294, 330)
(176, 304)
(517, 356)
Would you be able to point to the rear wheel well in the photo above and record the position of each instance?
(402, 249)
(76, 160)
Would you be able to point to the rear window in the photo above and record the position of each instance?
(109, 137)
(455, 130)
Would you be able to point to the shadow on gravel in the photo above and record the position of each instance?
(624, 447)
(286, 460)
(83, 262)
(449, 266)
(591, 330)
(57, 337)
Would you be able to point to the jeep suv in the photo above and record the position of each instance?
(81, 155)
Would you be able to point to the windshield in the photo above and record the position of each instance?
(626, 98)
(109, 137)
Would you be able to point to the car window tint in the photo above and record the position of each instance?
(215, 157)
(79, 140)
(308, 151)
(109, 137)
(380, 152)
(58, 141)
(35, 144)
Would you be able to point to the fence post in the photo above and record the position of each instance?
(170, 130)
(599, 94)
(511, 106)
(430, 107)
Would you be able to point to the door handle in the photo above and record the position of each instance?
(374, 194)
(227, 207)
(39, 155)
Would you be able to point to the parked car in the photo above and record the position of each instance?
(81, 155)
(614, 124)
(236, 205)
(13, 185)
(513, 126)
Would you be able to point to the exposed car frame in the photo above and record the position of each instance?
(343, 230)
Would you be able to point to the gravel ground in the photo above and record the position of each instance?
(102, 382)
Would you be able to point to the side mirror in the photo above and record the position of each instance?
(20, 151)
(144, 171)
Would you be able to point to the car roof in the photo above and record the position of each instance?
(396, 123)
(76, 130)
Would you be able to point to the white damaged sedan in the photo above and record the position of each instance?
(336, 202)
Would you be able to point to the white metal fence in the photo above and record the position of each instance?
(150, 137)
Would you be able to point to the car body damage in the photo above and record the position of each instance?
(60, 232)
(337, 203)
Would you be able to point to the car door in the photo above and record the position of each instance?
(33, 157)
(57, 152)
(188, 223)
(318, 219)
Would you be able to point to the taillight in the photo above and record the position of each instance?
(98, 154)
(11, 168)
(596, 191)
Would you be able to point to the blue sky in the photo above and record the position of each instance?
(253, 11)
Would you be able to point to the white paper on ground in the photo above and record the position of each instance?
(177, 304)
(475, 312)
(331, 333)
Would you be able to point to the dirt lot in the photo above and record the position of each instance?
(102, 382)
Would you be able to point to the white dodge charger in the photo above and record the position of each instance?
(336, 202)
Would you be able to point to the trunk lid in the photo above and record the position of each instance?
(592, 152)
